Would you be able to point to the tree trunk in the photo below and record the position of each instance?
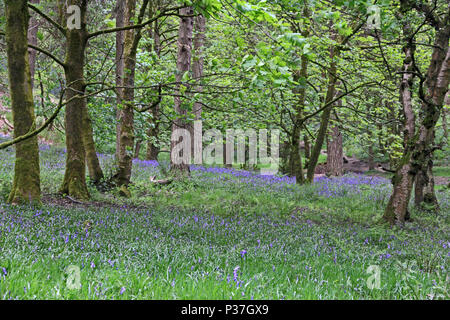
(325, 117)
(153, 128)
(307, 146)
(32, 39)
(126, 113)
(335, 153)
(74, 183)
(153, 133)
(371, 158)
(120, 39)
(93, 164)
(295, 158)
(420, 148)
(137, 149)
(26, 183)
(183, 66)
(424, 195)
(197, 72)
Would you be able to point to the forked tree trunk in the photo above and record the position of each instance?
(183, 66)
(26, 183)
(403, 179)
(420, 149)
(74, 183)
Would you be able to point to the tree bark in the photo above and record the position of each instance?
(32, 39)
(153, 133)
(93, 164)
(126, 112)
(371, 158)
(137, 149)
(183, 66)
(153, 121)
(74, 183)
(120, 38)
(424, 195)
(324, 119)
(295, 165)
(295, 158)
(335, 153)
(420, 148)
(307, 146)
(197, 70)
(26, 183)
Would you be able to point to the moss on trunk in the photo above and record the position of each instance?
(26, 183)
(74, 183)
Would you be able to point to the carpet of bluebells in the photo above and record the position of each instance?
(222, 234)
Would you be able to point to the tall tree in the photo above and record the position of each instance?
(183, 66)
(154, 118)
(434, 86)
(300, 76)
(325, 117)
(197, 73)
(74, 183)
(126, 110)
(120, 41)
(26, 183)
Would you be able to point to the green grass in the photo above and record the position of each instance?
(208, 239)
(441, 171)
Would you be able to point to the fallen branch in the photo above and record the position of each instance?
(73, 200)
(161, 181)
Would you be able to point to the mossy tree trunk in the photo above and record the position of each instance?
(74, 183)
(403, 179)
(126, 110)
(26, 183)
(420, 148)
(424, 195)
(93, 164)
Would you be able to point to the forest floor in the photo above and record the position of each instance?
(222, 234)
